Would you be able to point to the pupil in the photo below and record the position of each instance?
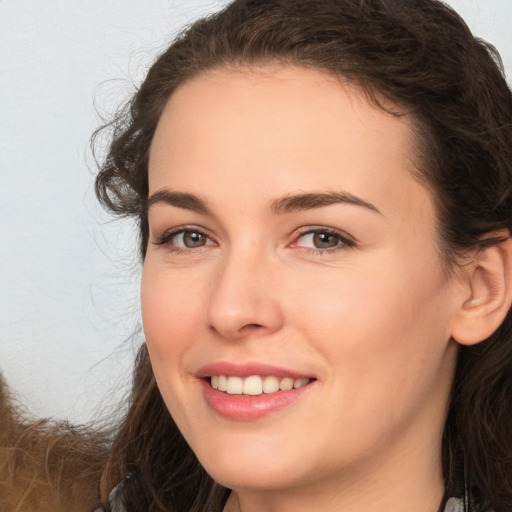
(325, 240)
(192, 239)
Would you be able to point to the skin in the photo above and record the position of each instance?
(371, 319)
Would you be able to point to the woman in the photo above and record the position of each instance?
(324, 197)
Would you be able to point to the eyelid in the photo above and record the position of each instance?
(347, 241)
(166, 237)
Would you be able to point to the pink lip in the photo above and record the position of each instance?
(248, 408)
(246, 370)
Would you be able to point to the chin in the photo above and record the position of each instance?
(249, 478)
(257, 468)
(244, 471)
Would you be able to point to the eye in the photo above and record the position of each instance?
(185, 239)
(319, 240)
(323, 239)
(189, 239)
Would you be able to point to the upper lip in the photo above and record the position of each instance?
(246, 370)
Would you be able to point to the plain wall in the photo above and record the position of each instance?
(69, 275)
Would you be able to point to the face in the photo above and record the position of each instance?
(290, 245)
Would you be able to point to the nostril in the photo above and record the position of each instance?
(251, 327)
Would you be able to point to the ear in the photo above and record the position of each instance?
(487, 295)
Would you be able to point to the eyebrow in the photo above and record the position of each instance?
(180, 200)
(280, 206)
(311, 201)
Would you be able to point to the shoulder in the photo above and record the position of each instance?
(457, 505)
(454, 505)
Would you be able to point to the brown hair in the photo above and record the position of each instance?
(419, 54)
(44, 466)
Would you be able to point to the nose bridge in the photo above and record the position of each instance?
(241, 298)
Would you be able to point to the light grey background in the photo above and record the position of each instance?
(69, 275)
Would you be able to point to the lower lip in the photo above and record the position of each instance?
(248, 408)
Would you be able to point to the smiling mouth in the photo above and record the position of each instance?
(255, 385)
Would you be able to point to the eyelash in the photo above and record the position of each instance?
(345, 241)
(168, 236)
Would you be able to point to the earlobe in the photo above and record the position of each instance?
(489, 294)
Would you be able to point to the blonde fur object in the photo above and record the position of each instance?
(47, 466)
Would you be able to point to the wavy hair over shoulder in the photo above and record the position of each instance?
(420, 55)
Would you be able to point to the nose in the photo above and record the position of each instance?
(244, 298)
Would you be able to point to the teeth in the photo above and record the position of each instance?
(252, 385)
(255, 385)
(286, 384)
(235, 386)
(298, 383)
(270, 384)
(223, 383)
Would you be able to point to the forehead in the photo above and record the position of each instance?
(284, 128)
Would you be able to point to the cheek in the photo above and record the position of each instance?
(169, 316)
(169, 313)
(385, 341)
(365, 320)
